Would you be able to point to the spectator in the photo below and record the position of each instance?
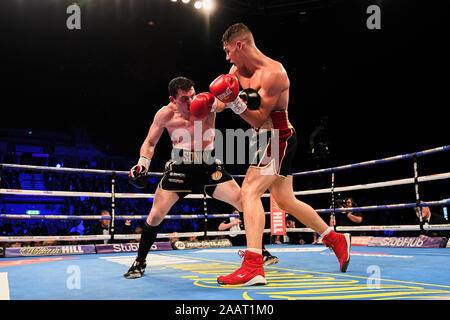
(50, 243)
(236, 224)
(137, 230)
(297, 237)
(430, 218)
(102, 227)
(5, 228)
(172, 238)
(123, 227)
(346, 218)
(78, 228)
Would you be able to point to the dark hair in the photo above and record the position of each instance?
(182, 83)
(235, 29)
(351, 199)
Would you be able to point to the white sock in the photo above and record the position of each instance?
(259, 251)
(326, 232)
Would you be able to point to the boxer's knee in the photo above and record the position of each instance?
(236, 198)
(250, 193)
(283, 203)
(155, 218)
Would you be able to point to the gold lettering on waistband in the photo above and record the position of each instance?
(196, 157)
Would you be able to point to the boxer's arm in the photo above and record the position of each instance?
(221, 105)
(272, 86)
(154, 133)
(138, 173)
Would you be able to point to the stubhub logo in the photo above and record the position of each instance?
(125, 247)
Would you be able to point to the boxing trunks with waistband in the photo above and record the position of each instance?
(277, 143)
(193, 172)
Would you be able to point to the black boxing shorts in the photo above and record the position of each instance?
(276, 146)
(193, 172)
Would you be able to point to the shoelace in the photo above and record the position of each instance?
(329, 245)
(241, 253)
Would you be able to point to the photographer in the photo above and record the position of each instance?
(346, 218)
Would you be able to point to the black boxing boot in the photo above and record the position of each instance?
(148, 237)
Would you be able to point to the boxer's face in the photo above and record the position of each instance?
(183, 99)
(232, 53)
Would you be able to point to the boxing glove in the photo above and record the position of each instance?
(226, 89)
(202, 105)
(138, 173)
(251, 98)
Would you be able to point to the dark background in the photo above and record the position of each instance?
(385, 92)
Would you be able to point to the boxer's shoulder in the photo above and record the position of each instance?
(163, 116)
(273, 65)
(166, 113)
(271, 72)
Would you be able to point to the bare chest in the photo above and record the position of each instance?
(189, 133)
(253, 82)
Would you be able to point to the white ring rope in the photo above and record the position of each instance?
(432, 177)
(221, 215)
(159, 174)
(216, 233)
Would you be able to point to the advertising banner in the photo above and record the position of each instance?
(49, 251)
(406, 242)
(361, 241)
(277, 219)
(130, 247)
(181, 245)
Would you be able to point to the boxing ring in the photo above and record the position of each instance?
(390, 268)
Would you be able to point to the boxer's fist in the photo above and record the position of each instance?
(202, 105)
(137, 177)
(138, 174)
(225, 88)
(251, 97)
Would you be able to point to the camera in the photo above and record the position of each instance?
(340, 203)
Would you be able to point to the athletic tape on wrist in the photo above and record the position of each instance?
(238, 106)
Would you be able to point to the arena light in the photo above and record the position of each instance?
(33, 212)
(208, 5)
(198, 4)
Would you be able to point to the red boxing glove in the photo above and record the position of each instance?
(225, 88)
(202, 105)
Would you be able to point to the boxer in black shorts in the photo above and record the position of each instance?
(189, 177)
(192, 168)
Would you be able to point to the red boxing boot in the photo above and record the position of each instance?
(251, 272)
(340, 244)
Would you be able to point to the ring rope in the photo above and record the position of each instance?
(216, 233)
(118, 217)
(372, 162)
(159, 174)
(432, 177)
(224, 215)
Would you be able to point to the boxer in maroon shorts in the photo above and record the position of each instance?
(268, 78)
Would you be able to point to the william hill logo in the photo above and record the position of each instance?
(51, 251)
